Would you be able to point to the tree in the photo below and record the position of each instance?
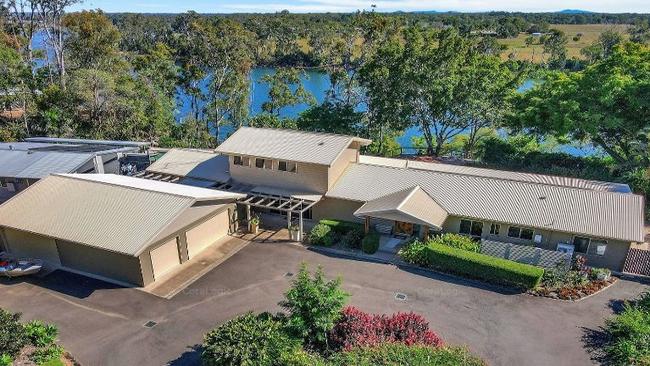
(607, 104)
(314, 305)
(603, 47)
(331, 117)
(555, 43)
(285, 89)
(91, 40)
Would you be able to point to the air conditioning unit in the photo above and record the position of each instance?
(566, 248)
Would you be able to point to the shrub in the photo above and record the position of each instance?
(643, 302)
(483, 267)
(457, 241)
(370, 243)
(353, 238)
(12, 334)
(630, 337)
(248, 340)
(40, 334)
(314, 305)
(341, 227)
(321, 235)
(359, 329)
(5, 360)
(415, 252)
(400, 354)
(595, 273)
(47, 354)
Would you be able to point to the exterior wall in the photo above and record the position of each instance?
(613, 259)
(103, 263)
(350, 155)
(308, 178)
(31, 245)
(333, 208)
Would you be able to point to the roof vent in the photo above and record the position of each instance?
(321, 143)
(542, 197)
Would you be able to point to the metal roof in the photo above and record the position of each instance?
(38, 164)
(22, 145)
(123, 218)
(291, 145)
(551, 207)
(57, 140)
(196, 164)
(412, 205)
(500, 174)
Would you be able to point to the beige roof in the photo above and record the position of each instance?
(588, 212)
(500, 174)
(122, 215)
(194, 164)
(412, 205)
(292, 145)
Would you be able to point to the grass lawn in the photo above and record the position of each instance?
(590, 33)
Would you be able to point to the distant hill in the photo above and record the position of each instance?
(574, 11)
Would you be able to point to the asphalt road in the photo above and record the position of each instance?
(103, 325)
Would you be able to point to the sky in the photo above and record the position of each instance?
(303, 6)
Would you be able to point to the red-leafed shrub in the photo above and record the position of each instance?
(356, 328)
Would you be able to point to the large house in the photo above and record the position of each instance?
(313, 176)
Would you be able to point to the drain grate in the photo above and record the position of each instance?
(400, 296)
(288, 274)
(150, 324)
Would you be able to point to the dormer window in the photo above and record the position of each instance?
(287, 166)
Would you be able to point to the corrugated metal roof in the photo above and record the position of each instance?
(112, 217)
(291, 145)
(589, 212)
(22, 145)
(58, 140)
(39, 164)
(500, 174)
(193, 164)
(412, 205)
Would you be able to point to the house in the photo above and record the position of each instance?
(23, 163)
(311, 176)
(199, 168)
(120, 229)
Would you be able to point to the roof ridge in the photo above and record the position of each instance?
(76, 177)
(506, 180)
(302, 132)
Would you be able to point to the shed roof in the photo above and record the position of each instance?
(557, 208)
(292, 145)
(412, 205)
(197, 164)
(123, 215)
(38, 164)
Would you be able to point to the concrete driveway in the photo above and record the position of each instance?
(103, 325)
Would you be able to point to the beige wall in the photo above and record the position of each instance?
(332, 208)
(100, 262)
(308, 178)
(349, 155)
(30, 245)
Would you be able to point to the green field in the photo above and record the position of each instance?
(590, 33)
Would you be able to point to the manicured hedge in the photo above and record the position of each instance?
(400, 354)
(483, 267)
(341, 227)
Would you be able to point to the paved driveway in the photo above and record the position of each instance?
(103, 325)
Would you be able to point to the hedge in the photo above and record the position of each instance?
(483, 267)
(370, 243)
(341, 227)
(400, 354)
(321, 235)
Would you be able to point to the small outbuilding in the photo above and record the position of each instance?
(125, 230)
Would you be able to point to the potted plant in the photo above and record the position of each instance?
(294, 230)
(254, 225)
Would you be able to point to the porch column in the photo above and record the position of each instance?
(366, 225)
(301, 227)
(248, 215)
(425, 233)
(288, 219)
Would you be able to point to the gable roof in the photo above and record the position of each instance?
(193, 164)
(291, 145)
(39, 164)
(500, 174)
(122, 215)
(595, 213)
(410, 205)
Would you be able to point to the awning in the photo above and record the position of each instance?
(412, 205)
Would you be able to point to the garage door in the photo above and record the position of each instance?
(165, 258)
(28, 245)
(207, 234)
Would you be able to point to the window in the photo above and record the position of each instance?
(581, 244)
(468, 227)
(287, 166)
(521, 233)
(597, 247)
(259, 163)
(589, 246)
(237, 160)
(494, 229)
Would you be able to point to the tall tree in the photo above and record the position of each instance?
(285, 89)
(555, 43)
(91, 40)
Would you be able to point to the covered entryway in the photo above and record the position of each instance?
(27, 245)
(165, 258)
(207, 233)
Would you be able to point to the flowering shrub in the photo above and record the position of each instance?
(356, 328)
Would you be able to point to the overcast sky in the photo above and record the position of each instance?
(302, 6)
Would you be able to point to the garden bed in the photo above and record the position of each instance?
(574, 293)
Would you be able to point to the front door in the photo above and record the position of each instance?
(403, 228)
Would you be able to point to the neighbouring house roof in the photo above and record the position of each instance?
(58, 140)
(39, 164)
(111, 212)
(551, 207)
(500, 174)
(197, 166)
(412, 205)
(291, 145)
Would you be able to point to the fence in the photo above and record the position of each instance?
(525, 254)
(637, 262)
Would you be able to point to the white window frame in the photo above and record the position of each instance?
(591, 240)
(521, 229)
(470, 227)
